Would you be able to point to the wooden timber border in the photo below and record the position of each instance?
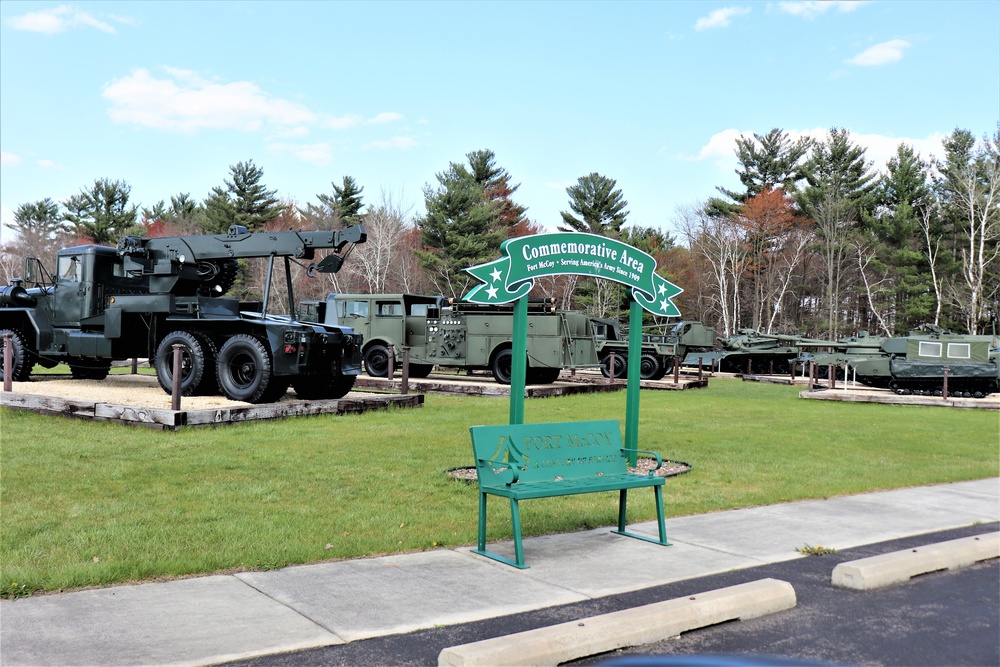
(173, 420)
(666, 384)
(482, 385)
(991, 402)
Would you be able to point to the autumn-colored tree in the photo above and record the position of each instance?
(775, 246)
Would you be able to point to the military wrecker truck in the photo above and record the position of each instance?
(459, 334)
(659, 351)
(140, 299)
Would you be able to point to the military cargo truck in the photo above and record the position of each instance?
(659, 351)
(458, 334)
(145, 296)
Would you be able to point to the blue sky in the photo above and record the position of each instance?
(168, 95)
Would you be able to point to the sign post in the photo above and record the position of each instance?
(526, 258)
(519, 361)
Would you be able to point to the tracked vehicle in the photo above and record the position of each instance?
(915, 364)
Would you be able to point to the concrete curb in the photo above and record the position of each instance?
(896, 567)
(630, 627)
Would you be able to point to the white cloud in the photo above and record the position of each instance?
(184, 102)
(880, 54)
(879, 148)
(9, 159)
(394, 143)
(58, 19)
(345, 122)
(319, 154)
(719, 149)
(809, 9)
(385, 117)
(720, 18)
(48, 164)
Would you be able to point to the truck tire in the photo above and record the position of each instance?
(88, 369)
(318, 387)
(621, 366)
(209, 381)
(245, 371)
(650, 367)
(420, 370)
(543, 375)
(501, 366)
(195, 360)
(21, 358)
(377, 361)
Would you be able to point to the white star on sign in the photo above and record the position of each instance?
(492, 291)
(663, 288)
(496, 275)
(663, 305)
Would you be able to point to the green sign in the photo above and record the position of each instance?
(529, 257)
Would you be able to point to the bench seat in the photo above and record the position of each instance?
(526, 461)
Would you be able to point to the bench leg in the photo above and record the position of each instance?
(661, 524)
(515, 514)
(482, 521)
(622, 505)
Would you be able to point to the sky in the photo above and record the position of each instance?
(168, 95)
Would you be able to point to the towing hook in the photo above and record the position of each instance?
(310, 269)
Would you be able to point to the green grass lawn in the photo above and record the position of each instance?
(89, 503)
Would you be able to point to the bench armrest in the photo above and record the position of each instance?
(510, 465)
(659, 460)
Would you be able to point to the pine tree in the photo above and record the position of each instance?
(904, 198)
(102, 213)
(767, 161)
(600, 207)
(244, 201)
(220, 212)
(838, 171)
(461, 229)
(38, 219)
(342, 208)
(39, 230)
(498, 190)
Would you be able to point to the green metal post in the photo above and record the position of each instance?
(519, 361)
(632, 396)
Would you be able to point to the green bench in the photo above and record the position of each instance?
(522, 461)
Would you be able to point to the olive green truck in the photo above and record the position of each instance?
(457, 334)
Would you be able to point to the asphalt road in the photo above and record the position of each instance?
(941, 618)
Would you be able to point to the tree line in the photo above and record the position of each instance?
(815, 241)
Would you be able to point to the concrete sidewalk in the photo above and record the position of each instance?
(219, 618)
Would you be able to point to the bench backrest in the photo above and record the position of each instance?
(543, 452)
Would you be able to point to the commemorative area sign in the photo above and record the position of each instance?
(572, 253)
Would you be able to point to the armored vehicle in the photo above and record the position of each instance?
(915, 364)
(145, 296)
(659, 351)
(749, 351)
(459, 334)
